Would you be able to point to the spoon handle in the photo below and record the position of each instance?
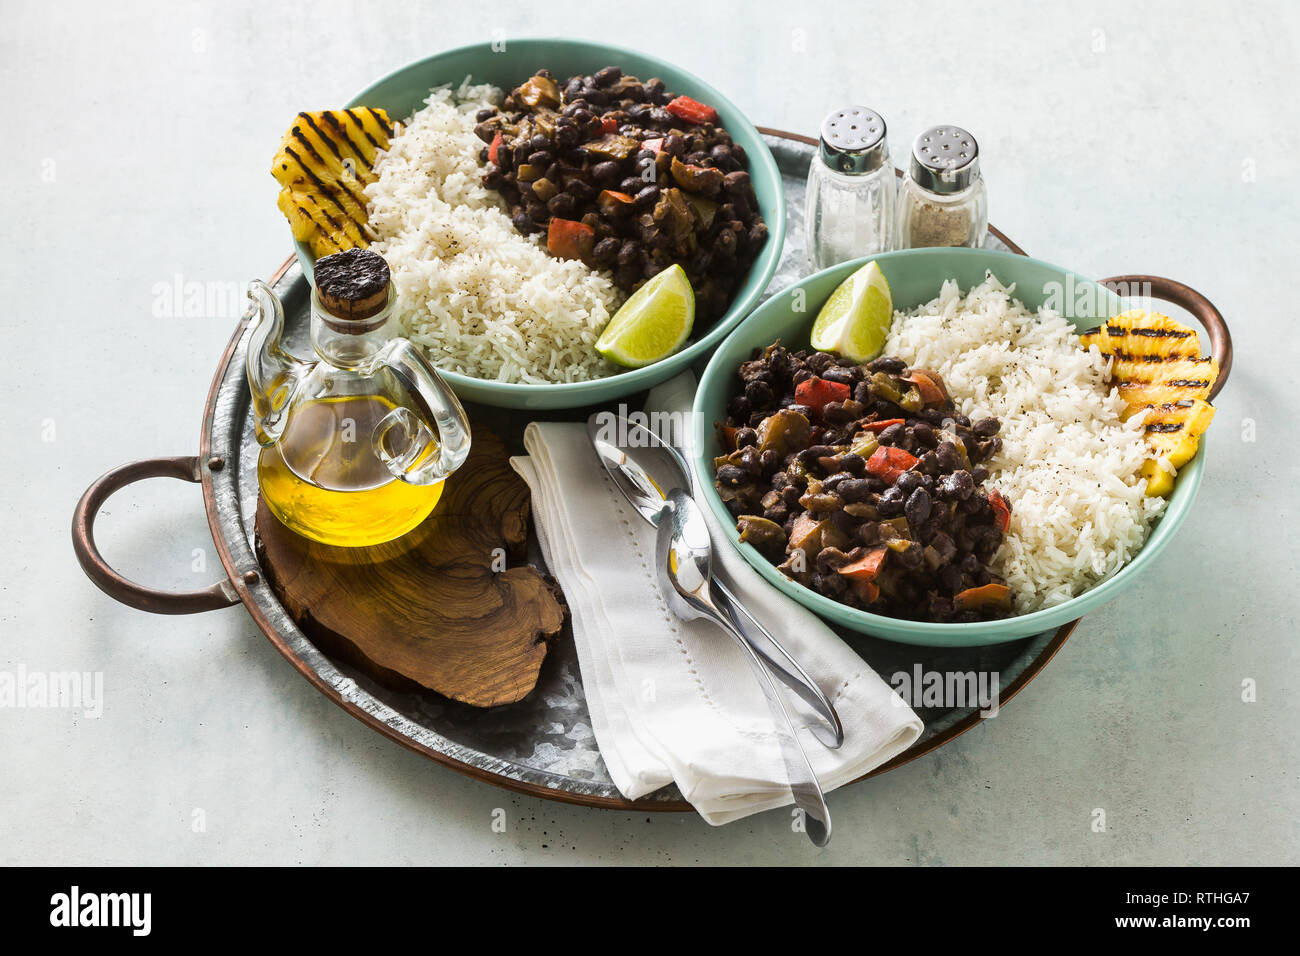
(807, 791)
(779, 661)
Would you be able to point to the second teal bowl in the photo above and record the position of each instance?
(915, 276)
(403, 92)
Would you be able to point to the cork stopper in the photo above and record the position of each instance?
(352, 286)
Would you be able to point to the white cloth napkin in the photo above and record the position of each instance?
(676, 701)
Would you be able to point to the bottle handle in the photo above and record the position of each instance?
(273, 374)
(401, 440)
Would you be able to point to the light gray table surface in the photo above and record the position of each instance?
(1116, 138)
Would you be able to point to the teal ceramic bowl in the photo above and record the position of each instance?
(915, 277)
(403, 92)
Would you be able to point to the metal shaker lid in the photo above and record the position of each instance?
(945, 159)
(853, 140)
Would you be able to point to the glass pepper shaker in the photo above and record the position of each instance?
(943, 200)
(850, 202)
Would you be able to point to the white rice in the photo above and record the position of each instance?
(1068, 464)
(476, 295)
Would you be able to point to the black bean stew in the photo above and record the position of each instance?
(863, 482)
(627, 177)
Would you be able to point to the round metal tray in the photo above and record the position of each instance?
(542, 745)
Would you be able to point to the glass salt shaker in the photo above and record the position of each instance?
(850, 203)
(943, 200)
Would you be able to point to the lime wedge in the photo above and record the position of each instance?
(855, 319)
(653, 323)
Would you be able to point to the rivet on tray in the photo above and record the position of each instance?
(216, 463)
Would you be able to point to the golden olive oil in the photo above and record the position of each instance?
(324, 481)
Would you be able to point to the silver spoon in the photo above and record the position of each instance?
(683, 563)
(633, 471)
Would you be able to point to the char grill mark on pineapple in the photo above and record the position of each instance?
(362, 126)
(341, 129)
(336, 227)
(1117, 330)
(1192, 416)
(320, 134)
(1149, 359)
(381, 120)
(1146, 393)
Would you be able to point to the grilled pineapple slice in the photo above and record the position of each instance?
(1143, 335)
(1157, 381)
(1173, 432)
(1173, 429)
(326, 160)
(1158, 369)
(1194, 415)
(1177, 448)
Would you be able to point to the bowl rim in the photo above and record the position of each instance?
(928, 632)
(764, 266)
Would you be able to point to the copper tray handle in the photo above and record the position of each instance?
(222, 594)
(1198, 305)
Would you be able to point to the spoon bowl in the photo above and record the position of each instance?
(640, 463)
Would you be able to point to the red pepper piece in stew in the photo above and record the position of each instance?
(867, 567)
(693, 111)
(1001, 510)
(989, 595)
(881, 425)
(888, 463)
(816, 392)
(569, 240)
(929, 384)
